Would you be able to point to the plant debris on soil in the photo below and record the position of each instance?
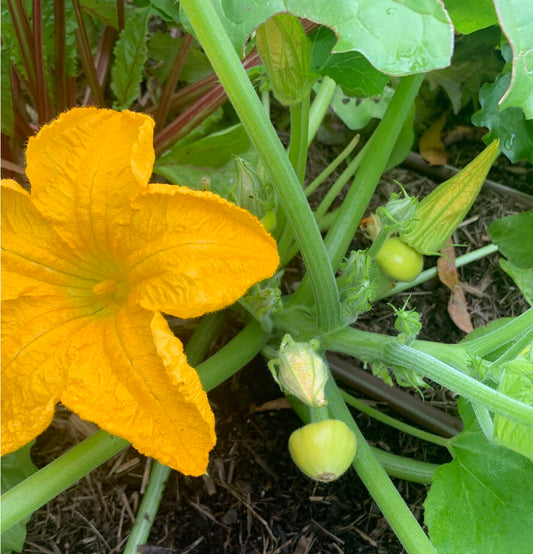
(253, 499)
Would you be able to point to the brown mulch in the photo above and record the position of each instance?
(253, 499)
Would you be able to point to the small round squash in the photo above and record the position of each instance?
(323, 450)
(398, 261)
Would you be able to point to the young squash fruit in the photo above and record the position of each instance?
(323, 450)
(398, 261)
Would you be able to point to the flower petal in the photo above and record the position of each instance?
(35, 261)
(34, 330)
(191, 252)
(130, 376)
(85, 168)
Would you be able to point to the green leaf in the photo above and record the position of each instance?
(481, 502)
(166, 9)
(471, 16)
(376, 29)
(130, 56)
(105, 11)
(517, 382)
(357, 112)
(163, 49)
(206, 163)
(7, 116)
(15, 468)
(515, 19)
(509, 125)
(514, 236)
(523, 278)
(350, 70)
(475, 61)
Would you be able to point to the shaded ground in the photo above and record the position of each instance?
(254, 500)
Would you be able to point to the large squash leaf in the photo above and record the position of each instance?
(482, 501)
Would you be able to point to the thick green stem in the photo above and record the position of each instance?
(29, 495)
(217, 45)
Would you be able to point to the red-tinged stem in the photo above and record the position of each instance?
(188, 120)
(172, 81)
(120, 15)
(24, 37)
(44, 108)
(86, 57)
(197, 112)
(61, 94)
(104, 55)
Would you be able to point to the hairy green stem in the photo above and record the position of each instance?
(428, 366)
(217, 45)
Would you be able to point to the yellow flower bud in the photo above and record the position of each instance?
(440, 212)
(285, 51)
(300, 371)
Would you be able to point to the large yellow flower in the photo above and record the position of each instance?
(89, 260)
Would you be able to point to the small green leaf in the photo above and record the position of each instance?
(15, 468)
(509, 125)
(471, 16)
(166, 9)
(130, 56)
(517, 382)
(481, 502)
(523, 278)
(513, 16)
(514, 236)
(350, 70)
(105, 10)
(8, 120)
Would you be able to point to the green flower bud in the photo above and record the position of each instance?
(439, 213)
(323, 450)
(407, 323)
(300, 371)
(251, 193)
(285, 51)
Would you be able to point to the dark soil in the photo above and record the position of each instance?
(253, 499)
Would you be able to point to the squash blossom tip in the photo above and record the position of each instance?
(440, 212)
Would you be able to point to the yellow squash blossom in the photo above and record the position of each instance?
(90, 259)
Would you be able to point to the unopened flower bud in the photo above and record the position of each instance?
(439, 213)
(285, 51)
(300, 371)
